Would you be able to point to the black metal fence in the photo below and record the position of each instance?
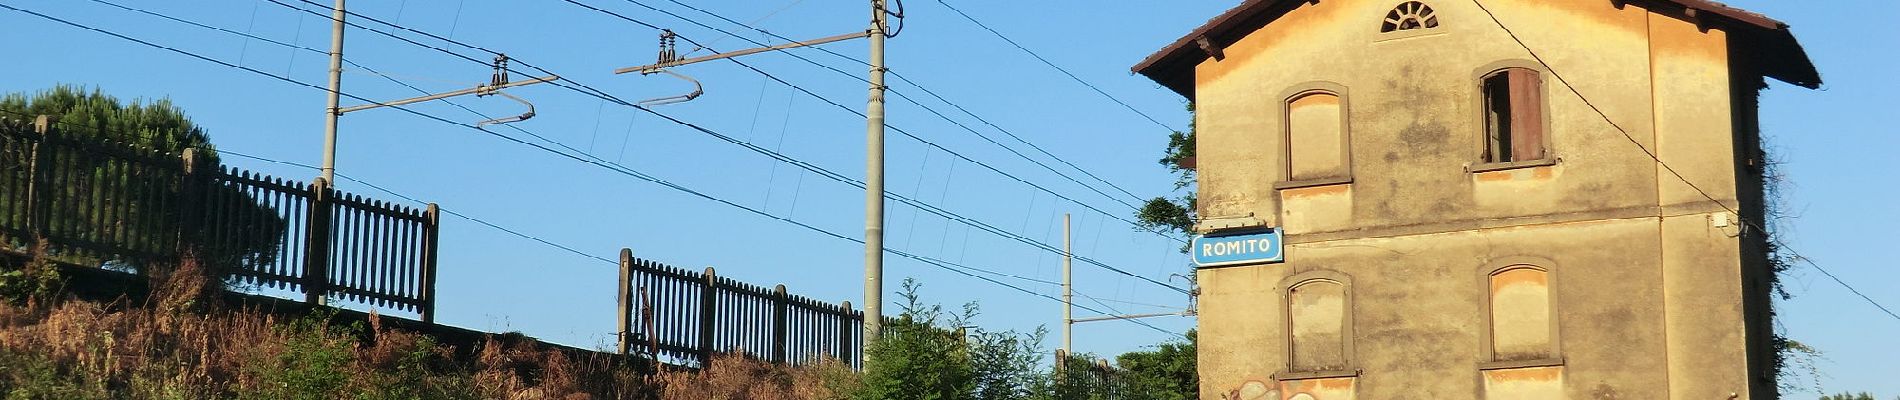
(682, 315)
(1082, 376)
(97, 202)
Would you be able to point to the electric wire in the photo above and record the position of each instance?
(444, 210)
(901, 198)
(588, 90)
(517, 233)
(953, 267)
(612, 167)
(1672, 171)
(1111, 300)
(906, 98)
(1045, 61)
(900, 94)
(574, 251)
(365, 68)
(603, 95)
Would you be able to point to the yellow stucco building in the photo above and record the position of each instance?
(1484, 199)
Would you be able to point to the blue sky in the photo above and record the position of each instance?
(1829, 140)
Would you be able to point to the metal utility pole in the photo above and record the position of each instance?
(874, 147)
(874, 182)
(1068, 293)
(1068, 300)
(496, 83)
(328, 172)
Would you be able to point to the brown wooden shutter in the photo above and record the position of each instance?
(1527, 115)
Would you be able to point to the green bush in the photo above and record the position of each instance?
(38, 278)
(928, 353)
(315, 365)
(418, 373)
(34, 377)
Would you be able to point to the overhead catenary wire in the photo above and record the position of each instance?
(559, 246)
(600, 94)
(1672, 170)
(963, 270)
(590, 91)
(1051, 64)
(444, 210)
(632, 173)
(1136, 303)
(624, 171)
(901, 198)
(901, 95)
(353, 64)
(293, 46)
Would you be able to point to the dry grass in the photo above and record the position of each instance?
(181, 343)
(737, 376)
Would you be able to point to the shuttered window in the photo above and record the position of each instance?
(1514, 115)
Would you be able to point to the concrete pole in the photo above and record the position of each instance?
(623, 317)
(1068, 292)
(874, 183)
(328, 172)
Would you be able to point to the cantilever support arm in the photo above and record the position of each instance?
(697, 90)
(518, 118)
(736, 53)
(479, 89)
(1128, 317)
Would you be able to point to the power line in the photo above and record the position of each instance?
(907, 98)
(562, 247)
(444, 210)
(927, 260)
(549, 243)
(914, 136)
(636, 174)
(354, 64)
(590, 91)
(1163, 306)
(892, 127)
(1046, 61)
(1672, 171)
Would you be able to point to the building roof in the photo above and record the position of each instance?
(1781, 57)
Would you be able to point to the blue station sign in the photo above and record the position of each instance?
(1248, 248)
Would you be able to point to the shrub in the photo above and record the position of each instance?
(314, 364)
(38, 278)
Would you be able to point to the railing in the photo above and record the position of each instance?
(1081, 376)
(681, 315)
(96, 202)
(100, 200)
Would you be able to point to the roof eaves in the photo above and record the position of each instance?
(1172, 66)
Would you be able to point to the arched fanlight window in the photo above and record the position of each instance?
(1408, 16)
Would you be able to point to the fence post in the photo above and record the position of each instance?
(708, 316)
(431, 247)
(316, 266)
(623, 318)
(37, 169)
(845, 330)
(778, 323)
(646, 323)
(191, 208)
(1062, 362)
